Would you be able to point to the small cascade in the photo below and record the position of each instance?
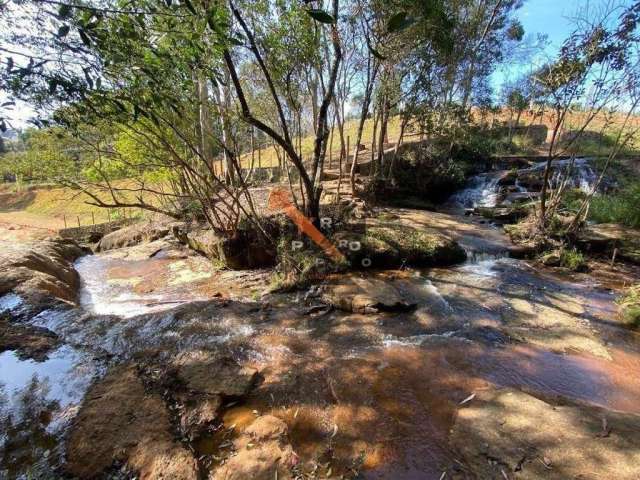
(582, 174)
(483, 190)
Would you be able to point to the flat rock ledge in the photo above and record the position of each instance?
(364, 294)
(507, 434)
(121, 423)
(133, 235)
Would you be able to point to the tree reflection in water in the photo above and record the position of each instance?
(27, 447)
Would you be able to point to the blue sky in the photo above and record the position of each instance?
(554, 18)
(550, 17)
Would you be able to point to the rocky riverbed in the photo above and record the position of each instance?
(145, 361)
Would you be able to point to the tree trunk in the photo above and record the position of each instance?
(372, 70)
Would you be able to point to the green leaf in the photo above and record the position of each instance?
(98, 83)
(321, 16)
(63, 31)
(189, 5)
(399, 22)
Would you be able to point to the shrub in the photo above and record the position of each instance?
(629, 305)
(573, 260)
(621, 207)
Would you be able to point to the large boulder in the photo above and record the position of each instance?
(610, 236)
(40, 274)
(133, 235)
(509, 214)
(246, 249)
(395, 245)
(364, 294)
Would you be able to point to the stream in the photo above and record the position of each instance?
(389, 385)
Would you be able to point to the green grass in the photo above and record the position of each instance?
(61, 204)
(621, 207)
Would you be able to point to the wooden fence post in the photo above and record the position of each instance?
(64, 217)
(93, 218)
(78, 220)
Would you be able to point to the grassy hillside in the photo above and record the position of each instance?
(33, 205)
(268, 156)
(51, 206)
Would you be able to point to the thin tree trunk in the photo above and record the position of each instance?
(372, 70)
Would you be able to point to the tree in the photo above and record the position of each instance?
(595, 67)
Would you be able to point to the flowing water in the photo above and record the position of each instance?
(481, 191)
(388, 385)
(484, 190)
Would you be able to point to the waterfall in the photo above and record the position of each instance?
(583, 175)
(481, 191)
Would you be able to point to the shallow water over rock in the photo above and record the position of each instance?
(113, 285)
(37, 402)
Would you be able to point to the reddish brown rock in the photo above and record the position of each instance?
(119, 422)
(263, 453)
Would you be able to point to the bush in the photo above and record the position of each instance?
(519, 144)
(629, 305)
(621, 207)
(573, 260)
(428, 175)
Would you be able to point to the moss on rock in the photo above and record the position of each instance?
(395, 245)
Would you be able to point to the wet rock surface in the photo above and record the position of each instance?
(210, 377)
(121, 423)
(26, 340)
(209, 374)
(40, 273)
